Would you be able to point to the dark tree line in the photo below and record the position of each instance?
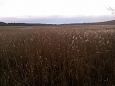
(23, 24)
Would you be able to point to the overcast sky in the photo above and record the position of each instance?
(57, 8)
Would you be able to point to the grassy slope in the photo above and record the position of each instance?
(57, 56)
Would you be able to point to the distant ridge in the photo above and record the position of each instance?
(112, 22)
(2, 23)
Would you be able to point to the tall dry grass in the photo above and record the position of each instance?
(57, 56)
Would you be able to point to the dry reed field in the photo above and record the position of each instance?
(57, 55)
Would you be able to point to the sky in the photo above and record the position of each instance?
(17, 10)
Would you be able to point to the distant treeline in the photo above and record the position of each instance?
(23, 24)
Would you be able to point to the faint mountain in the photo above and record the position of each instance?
(112, 22)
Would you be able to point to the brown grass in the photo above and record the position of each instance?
(57, 56)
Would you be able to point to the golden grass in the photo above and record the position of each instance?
(57, 56)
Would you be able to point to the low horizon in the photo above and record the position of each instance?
(57, 19)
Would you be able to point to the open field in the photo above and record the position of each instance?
(57, 55)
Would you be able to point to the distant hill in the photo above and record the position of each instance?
(2, 23)
(112, 22)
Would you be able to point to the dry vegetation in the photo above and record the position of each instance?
(57, 56)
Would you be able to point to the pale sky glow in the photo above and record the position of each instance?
(45, 8)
